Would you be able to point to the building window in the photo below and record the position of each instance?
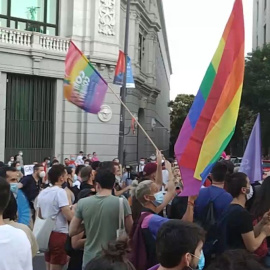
(141, 50)
(264, 34)
(30, 15)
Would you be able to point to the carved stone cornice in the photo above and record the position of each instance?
(106, 19)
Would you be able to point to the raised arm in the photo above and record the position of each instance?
(159, 180)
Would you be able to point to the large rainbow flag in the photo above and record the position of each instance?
(83, 85)
(211, 121)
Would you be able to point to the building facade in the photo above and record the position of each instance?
(261, 23)
(34, 39)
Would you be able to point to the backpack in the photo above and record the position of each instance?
(207, 218)
(138, 254)
(209, 223)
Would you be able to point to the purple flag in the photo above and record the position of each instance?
(251, 163)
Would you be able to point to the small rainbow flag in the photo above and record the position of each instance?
(83, 85)
(211, 121)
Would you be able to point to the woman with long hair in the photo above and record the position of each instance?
(260, 206)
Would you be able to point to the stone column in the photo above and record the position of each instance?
(59, 120)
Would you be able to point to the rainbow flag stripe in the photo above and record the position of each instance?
(211, 121)
(83, 85)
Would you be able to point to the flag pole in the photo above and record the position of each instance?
(137, 122)
(123, 92)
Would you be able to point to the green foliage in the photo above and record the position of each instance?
(256, 96)
(179, 111)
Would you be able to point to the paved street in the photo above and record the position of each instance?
(39, 263)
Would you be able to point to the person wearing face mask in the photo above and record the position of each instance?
(88, 179)
(18, 168)
(179, 246)
(11, 161)
(236, 228)
(46, 164)
(87, 162)
(11, 218)
(10, 174)
(71, 178)
(144, 231)
(72, 161)
(140, 167)
(19, 158)
(31, 185)
(77, 177)
(53, 201)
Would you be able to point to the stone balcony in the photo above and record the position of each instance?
(26, 39)
(32, 53)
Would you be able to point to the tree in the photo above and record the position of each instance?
(255, 97)
(179, 111)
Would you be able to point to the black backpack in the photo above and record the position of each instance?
(209, 223)
(207, 218)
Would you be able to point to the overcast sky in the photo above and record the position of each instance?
(194, 29)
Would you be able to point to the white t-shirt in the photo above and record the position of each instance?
(50, 200)
(15, 249)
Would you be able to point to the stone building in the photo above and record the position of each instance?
(261, 23)
(34, 39)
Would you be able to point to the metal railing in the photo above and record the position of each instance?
(35, 40)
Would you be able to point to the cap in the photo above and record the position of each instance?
(149, 168)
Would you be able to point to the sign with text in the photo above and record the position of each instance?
(28, 169)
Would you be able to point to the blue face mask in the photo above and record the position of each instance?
(159, 197)
(19, 168)
(14, 187)
(201, 262)
(75, 178)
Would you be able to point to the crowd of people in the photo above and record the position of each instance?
(105, 216)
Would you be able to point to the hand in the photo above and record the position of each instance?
(193, 198)
(129, 187)
(171, 187)
(159, 157)
(168, 166)
(266, 230)
(266, 218)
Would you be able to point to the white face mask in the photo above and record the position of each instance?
(42, 174)
(250, 194)
(142, 162)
